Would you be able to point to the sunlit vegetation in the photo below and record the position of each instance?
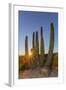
(33, 64)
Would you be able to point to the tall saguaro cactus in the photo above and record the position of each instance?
(51, 46)
(41, 42)
(42, 51)
(26, 45)
(37, 42)
(33, 40)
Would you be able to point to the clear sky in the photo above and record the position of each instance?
(30, 21)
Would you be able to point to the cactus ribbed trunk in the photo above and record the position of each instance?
(26, 45)
(51, 46)
(42, 51)
(37, 43)
(33, 40)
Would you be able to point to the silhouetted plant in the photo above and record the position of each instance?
(42, 49)
(51, 47)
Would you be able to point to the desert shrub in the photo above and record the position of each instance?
(55, 61)
(21, 67)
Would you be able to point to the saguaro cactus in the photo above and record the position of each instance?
(42, 51)
(51, 46)
(26, 45)
(33, 40)
(37, 43)
(41, 42)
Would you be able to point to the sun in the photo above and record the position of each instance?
(30, 54)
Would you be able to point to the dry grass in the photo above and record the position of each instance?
(29, 69)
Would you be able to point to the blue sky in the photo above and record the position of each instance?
(30, 21)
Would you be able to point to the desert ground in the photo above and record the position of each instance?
(30, 69)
